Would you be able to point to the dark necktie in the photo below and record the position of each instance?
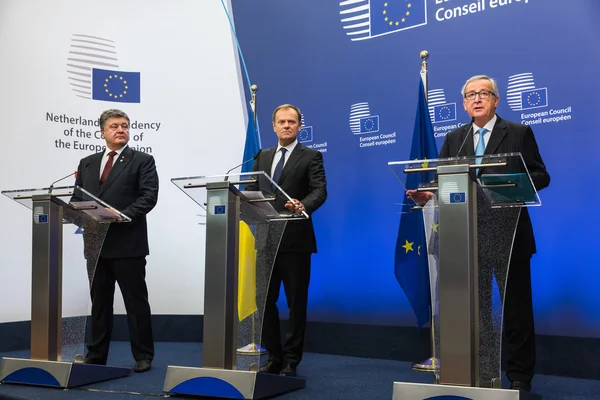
(108, 167)
(279, 166)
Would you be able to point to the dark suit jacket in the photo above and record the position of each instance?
(132, 188)
(302, 178)
(506, 137)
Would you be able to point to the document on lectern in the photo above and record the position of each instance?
(258, 199)
(96, 211)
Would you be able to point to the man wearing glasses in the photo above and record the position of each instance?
(490, 134)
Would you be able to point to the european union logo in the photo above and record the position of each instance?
(119, 86)
(393, 16)
(444, 113)
(369, 124)
(306, 134)
(534, 98)
(219, 210)
(457, 197)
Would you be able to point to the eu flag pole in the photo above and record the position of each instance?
(410, 267)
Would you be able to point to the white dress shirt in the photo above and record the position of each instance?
(486, 136)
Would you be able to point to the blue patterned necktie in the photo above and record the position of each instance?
(480, 150)
(279, 166)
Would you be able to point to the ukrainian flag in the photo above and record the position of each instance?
(247, 273)
(247, 249)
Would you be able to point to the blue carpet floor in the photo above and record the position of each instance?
(328, 377)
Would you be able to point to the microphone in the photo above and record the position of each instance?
(468, 135)
(244, 163)
(65, 177)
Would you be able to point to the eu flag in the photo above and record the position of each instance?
(119, 86)
(396, 15)
(410, 262)
(534, 98)
(369, 124)
(306, 134)
(444, 112)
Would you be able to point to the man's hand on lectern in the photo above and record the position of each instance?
(421, 198)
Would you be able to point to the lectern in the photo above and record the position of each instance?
(470, 224)
(224, 372)
(57, 326)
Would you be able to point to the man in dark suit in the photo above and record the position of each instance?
(299, 171)
(126, 180)
(481, 98)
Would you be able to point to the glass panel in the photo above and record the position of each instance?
(430, 220)
(25, 196)
(81, 248)
(495, 233)
(65, 193)
(82, 244)
(267, 236)
(195, 188)
(502, 188)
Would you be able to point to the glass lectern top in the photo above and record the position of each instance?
(89, 203)
(195, 187)
(503, 177)
(25, 196)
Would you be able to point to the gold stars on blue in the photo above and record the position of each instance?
(115, 86)
(408, 246)
(534, 98)
(390, 20)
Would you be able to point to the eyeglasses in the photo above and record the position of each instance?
(483, 95)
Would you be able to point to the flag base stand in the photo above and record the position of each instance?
(252, 349)
(432, 364)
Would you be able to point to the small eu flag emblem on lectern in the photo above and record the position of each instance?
(219, 210)
(458, 197)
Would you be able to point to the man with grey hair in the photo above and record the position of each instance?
(127, 180)
(490, 134)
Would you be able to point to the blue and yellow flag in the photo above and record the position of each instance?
(411, 262)
(247, 252)
(246, 273)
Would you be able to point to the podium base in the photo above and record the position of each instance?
(228, 384)
(56, 373)
(419, 391)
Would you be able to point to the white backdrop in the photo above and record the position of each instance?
(190, 84)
